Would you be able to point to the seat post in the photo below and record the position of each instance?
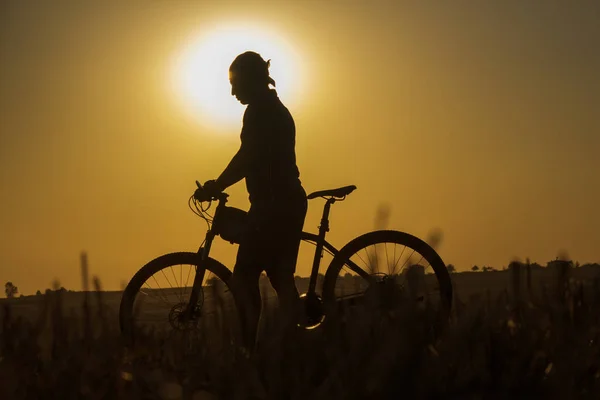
(323, 229)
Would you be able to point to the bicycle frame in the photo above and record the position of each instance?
(317, 239)
(321, 243)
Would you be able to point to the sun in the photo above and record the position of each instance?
(200, 77)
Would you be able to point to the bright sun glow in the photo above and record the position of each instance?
(201, 80)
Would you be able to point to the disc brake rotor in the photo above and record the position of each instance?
(178, 318)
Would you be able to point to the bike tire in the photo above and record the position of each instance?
(126, 309)
(397, 237)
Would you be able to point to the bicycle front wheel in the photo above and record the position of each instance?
(384, 271)
(155, 300)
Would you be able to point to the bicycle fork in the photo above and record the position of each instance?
(203, 252)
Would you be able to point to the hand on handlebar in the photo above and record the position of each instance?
(209, 191)
(212, 188)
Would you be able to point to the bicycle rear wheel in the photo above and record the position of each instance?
(154, 301)
(383, 272)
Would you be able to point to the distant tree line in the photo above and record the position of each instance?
(551, 264)
(11, 290)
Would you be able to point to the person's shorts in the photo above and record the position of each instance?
(273, 237)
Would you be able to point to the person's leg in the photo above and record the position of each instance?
(245, 286)
(285, 247)
(281, 276)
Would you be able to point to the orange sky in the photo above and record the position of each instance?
(480, 121)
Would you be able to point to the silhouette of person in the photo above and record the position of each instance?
(267, 161)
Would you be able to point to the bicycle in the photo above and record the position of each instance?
(372, 287)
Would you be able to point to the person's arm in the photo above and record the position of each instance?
(235, 170)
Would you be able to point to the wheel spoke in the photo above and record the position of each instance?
(168, 281)
(393, 269)
(155, 298)
(187, 279)
(175, 279)
(399, 258)
(362, 259)
(182, 291)
(407, 260)
(159, 289)
(387, 259)
(370, 265)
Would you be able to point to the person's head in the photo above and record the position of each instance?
(249, 77)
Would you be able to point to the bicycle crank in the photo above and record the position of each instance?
(314, 314)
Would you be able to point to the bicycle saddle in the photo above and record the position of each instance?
(338, 193)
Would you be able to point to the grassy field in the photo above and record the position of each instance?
(512, 335)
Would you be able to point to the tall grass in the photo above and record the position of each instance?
(518, 344)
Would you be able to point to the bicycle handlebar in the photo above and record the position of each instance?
(202, 196)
